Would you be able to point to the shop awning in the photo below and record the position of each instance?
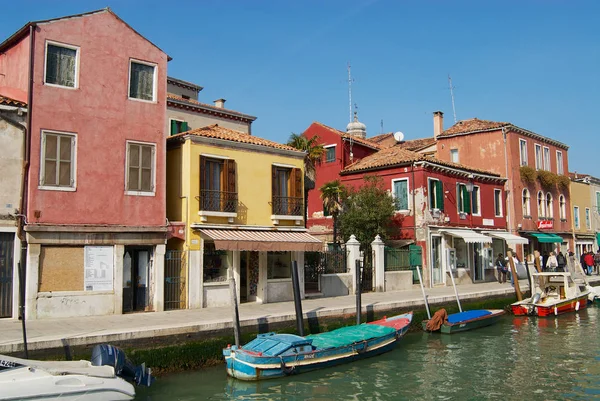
(510, 239)
(469, 236)
(255, 240)
(547, 238)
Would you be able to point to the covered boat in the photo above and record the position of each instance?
(554, 293)
(273, 355)
(463, 321)
(108, 377)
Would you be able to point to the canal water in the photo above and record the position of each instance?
(519, 358)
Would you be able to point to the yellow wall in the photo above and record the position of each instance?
(174, 203)
(253, 181)
(581, 196)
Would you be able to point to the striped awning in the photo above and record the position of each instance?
(469, 236)
(262, 240)
(510, 239)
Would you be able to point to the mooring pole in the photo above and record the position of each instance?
(515, 277)
(297, 299)
(358, 290)
(423, 291)
(455, 290)
(22, 307)
(236, 314)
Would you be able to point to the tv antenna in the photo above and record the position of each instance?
(452, 96)
(381, 126)
(350, 80)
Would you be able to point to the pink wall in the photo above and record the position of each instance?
(103, 118)
(14, 71)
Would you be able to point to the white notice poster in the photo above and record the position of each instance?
(98, 268)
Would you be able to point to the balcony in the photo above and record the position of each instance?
(287, 208)
(218, 204)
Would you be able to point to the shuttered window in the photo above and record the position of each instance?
(61, 65)
(140, 167)
(401, 194)
(436, 194)
(58, 154)
(464, 200)
(178, 127)
(218, 185)
(287, 191)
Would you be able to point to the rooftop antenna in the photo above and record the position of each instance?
(381, 126)
(350, 80)
(452, 96)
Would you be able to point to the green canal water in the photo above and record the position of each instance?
(520, 358)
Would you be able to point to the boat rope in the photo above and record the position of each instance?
(287, 370)
(360, 350)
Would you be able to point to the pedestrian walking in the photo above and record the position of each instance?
(589, 263)
(562, 262)
(502, 268)
(597, 261)
(552, 262)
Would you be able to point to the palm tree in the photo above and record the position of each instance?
(332, 193)
(314, 152)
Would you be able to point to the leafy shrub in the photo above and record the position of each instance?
(563, 182)
(528, 174)
(547, 179)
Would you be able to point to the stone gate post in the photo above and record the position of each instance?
(378, 249)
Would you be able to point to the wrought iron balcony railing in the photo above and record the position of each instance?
(218, 201)
(288, 206)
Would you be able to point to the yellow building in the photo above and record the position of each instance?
(235, 206)
(581, 199)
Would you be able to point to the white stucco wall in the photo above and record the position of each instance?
(280, 290)
(216, 294)
(76, 303)
(11, 143)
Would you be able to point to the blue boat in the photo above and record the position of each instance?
(272, 355)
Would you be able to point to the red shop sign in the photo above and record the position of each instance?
(545, 224)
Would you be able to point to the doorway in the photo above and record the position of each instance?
(244, 276)
(437, 271)
(478, 261)
(7, 243)
(136, 268)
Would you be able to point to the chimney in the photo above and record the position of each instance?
(220, 103)
(438, 123)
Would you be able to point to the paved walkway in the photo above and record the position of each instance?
(52, 333)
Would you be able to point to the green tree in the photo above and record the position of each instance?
(367, 212)
(314, 152)
(332, 194)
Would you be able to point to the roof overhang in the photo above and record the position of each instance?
(547, 238)
(469, 236)
(510, 239)
(261, 240)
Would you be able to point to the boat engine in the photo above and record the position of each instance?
(109, 355)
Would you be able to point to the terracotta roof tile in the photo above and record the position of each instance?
(473, 125)
(11, 102)
(217, 132)
(396, 155)
(366, 142)
(208, 106)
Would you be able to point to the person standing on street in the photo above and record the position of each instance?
(562, 262)
(597, 261)
(589, 262)
(552, 263)
(502, 268)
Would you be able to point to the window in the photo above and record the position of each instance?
(549, 206)
(142, 81)
(588, 219)
(498, 202)
(58, 161)
(62, 63)
(598, 202)
(526, 202)
(559, 162)
(576, 216)
(178, 126)
(217, 185)
(538, 156)
(546, 158)
(279, 265)
(436, 194)
(287, 191)
(215, 263)
(454, 155)
(476, 202)
(541, 204)
(523, 151)
(463, 201)
(329, 153)
(563, 207)
(400, 190)
(140, 168)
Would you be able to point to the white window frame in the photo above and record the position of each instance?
(476, 200)
(140, 193)
(407, 193)
(539, 161)
(562, 207)
(559, 163)
(454, 152)
(498, 199)
(73, 186)
(588, 218)
(329, 147)
(576, 222)
(523, 156)
(526, 202)
(541, 201)
(66, 46)
(432, 196)
(154, 81)
(546, 158)
(549, 206)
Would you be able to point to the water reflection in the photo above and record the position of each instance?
(521, 357)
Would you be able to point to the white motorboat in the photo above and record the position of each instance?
(107, 377)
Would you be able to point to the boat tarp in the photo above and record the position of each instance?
(467, 315)
(348, 335)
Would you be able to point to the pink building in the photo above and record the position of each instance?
(95, 182)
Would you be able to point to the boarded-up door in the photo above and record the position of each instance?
(6, 273)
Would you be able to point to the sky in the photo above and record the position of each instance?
(533, 63)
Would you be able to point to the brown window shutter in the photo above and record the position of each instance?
(230, 166)
(202, 171)
(273, 183)
(297, 177)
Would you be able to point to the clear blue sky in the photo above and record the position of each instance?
(533, 63)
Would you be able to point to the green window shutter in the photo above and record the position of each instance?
(598, 204)
(184, 126)
(432, 199)
(401, 195)
(466, 199)
(174, 127)
(439, 201)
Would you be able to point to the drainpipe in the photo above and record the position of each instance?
(412, 169)
(509, 182)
